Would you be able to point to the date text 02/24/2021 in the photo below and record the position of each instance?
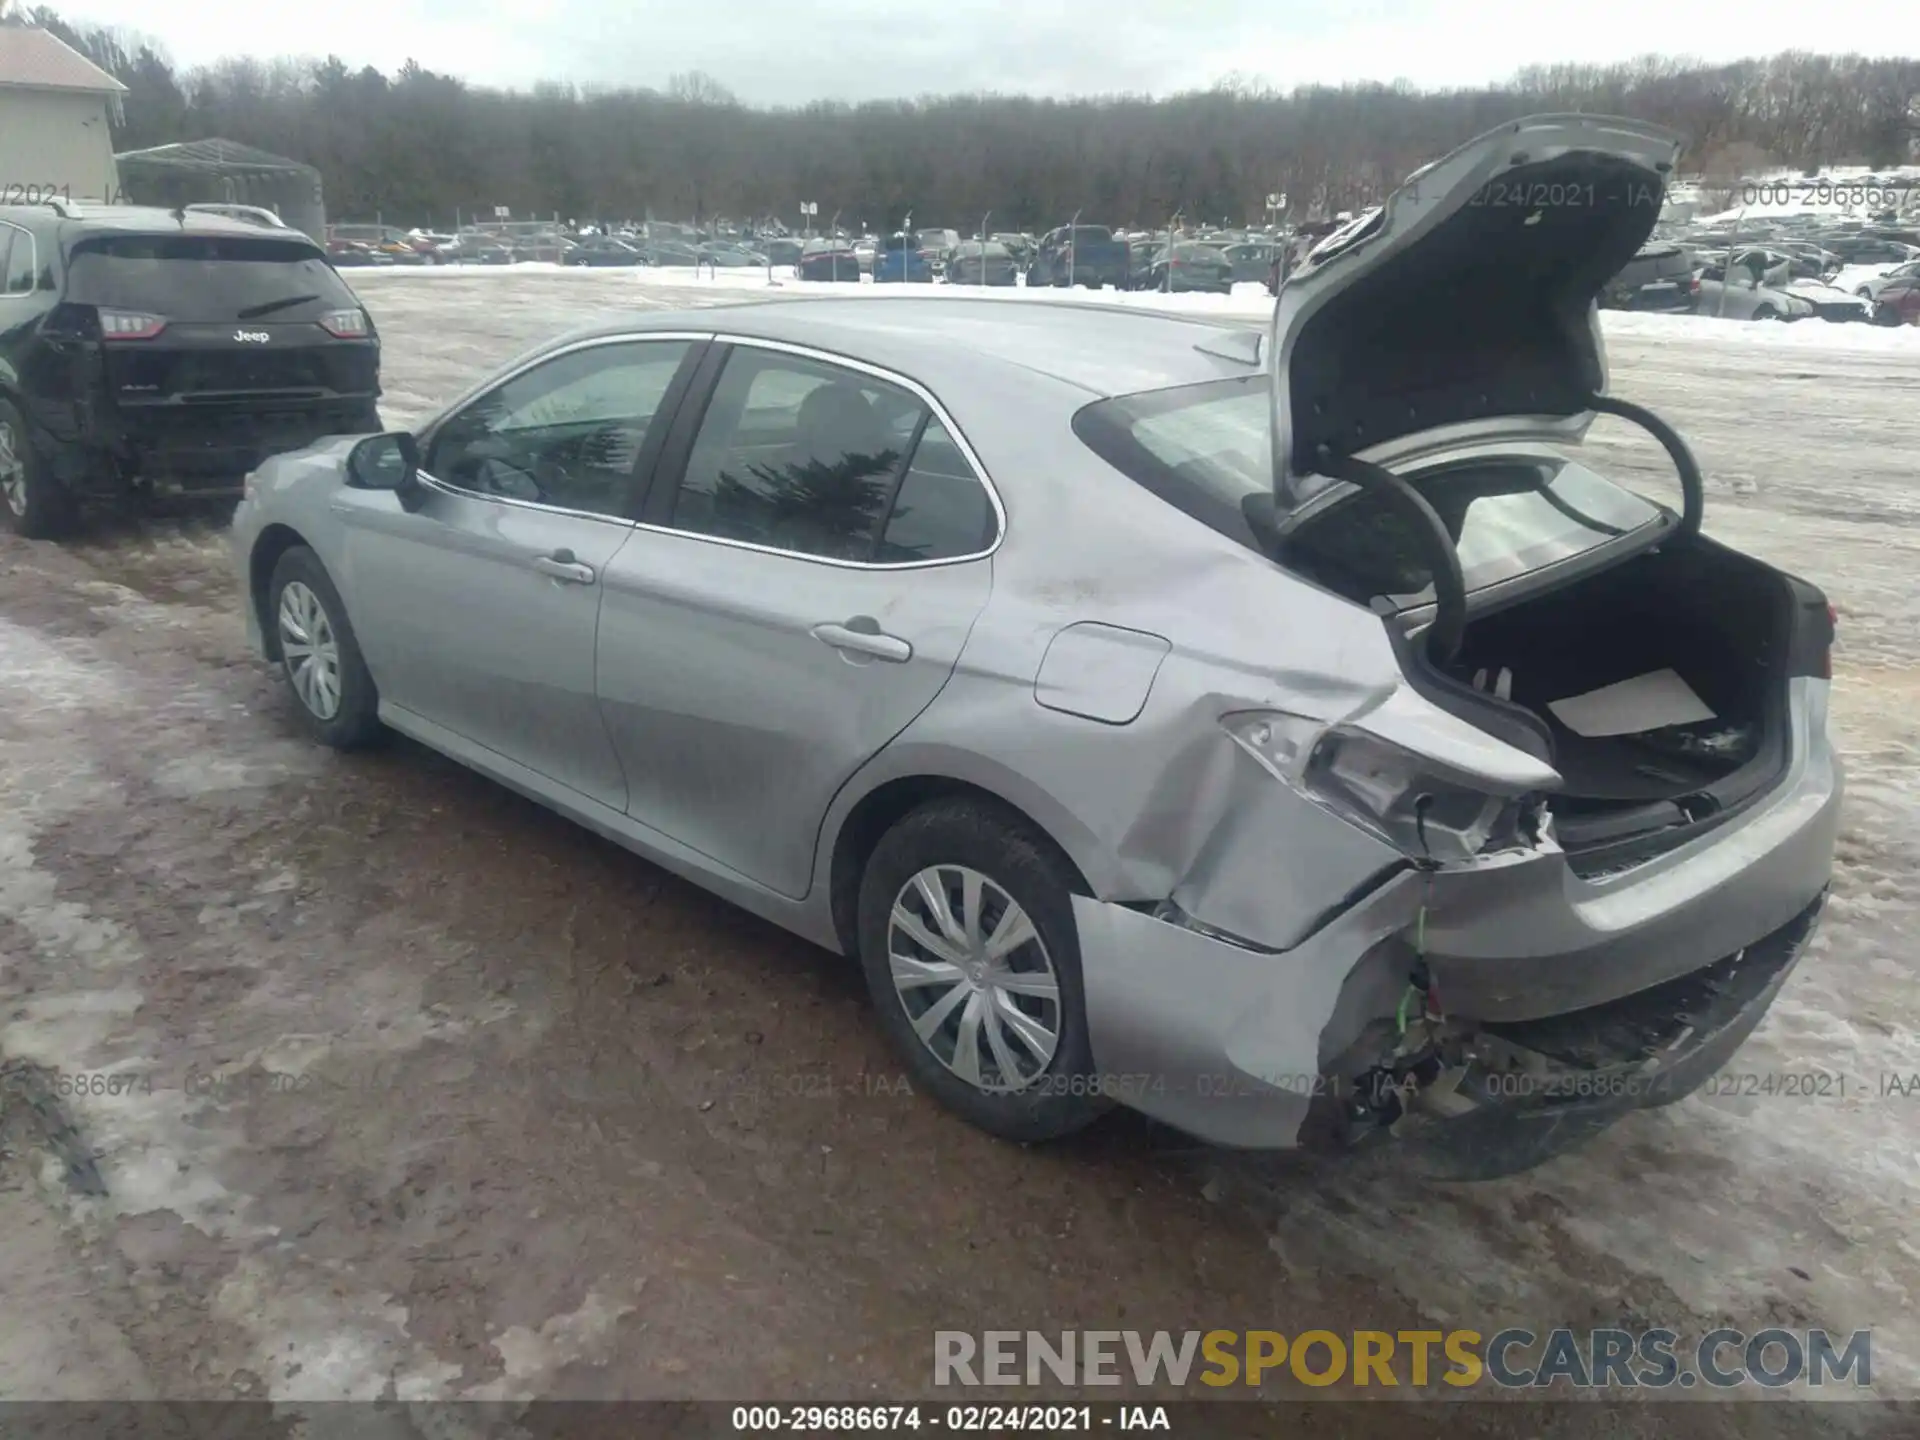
(45, 192)
(961, 1419)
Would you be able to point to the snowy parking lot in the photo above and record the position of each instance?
(423, 1091)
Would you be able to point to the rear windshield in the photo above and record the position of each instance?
(1205, 448)
(206, 277)
(1091, 235)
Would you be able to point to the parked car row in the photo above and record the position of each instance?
(1839, 274)
(1759, 282)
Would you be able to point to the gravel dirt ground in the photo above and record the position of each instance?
(421, 1091)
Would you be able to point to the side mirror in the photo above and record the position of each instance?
(387, 462)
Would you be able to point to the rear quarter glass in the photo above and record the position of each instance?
(206, 278)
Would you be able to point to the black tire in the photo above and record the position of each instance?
(1767, 312)
(35, 505)
(1029, 868)
(355, 721)
(365, 420)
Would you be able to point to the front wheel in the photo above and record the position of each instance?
(967, 939)
(333, 692)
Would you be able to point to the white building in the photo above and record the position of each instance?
(55, 109)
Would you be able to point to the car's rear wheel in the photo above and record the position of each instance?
(332, 690)
(967, 938)
(1767, 312)
(32, 502)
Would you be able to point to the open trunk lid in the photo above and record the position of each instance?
(1461, 311)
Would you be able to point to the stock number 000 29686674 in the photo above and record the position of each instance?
(840, 1419)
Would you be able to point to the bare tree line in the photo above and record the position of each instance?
(414, 146)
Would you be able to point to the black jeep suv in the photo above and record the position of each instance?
(146, 352)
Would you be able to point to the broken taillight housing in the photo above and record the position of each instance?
(130, 324)
(1392, 793)
(346, 324)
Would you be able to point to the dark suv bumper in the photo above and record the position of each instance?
(210, 448)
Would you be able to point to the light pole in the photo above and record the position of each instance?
(1277, 247)
(1726, 266)
(1072, 226)
(833, 239)
(983, 246)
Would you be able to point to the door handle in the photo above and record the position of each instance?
(562, 566)
(862, 636)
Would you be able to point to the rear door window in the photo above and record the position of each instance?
(796, 454)
(215, 278)
(808, 457)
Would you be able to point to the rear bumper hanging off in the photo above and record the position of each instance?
(1244, 1044)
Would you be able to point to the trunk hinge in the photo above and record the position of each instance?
(1693, 490)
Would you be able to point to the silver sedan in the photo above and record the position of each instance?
(1284, 735)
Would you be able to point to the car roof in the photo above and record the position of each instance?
(153, 220)
(1101, 349)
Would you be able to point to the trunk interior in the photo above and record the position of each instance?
(1722, 623)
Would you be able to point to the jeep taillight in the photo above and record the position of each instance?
(130, 325)
(346, 324)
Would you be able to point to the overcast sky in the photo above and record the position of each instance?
(777, 52)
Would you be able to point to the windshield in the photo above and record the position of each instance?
(204, 277)
(1205, 448)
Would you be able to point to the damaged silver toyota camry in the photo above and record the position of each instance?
(1285, 735)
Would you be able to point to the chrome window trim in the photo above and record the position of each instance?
(488, 386)
(891, 377)
(805, 352)
(34, 241)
